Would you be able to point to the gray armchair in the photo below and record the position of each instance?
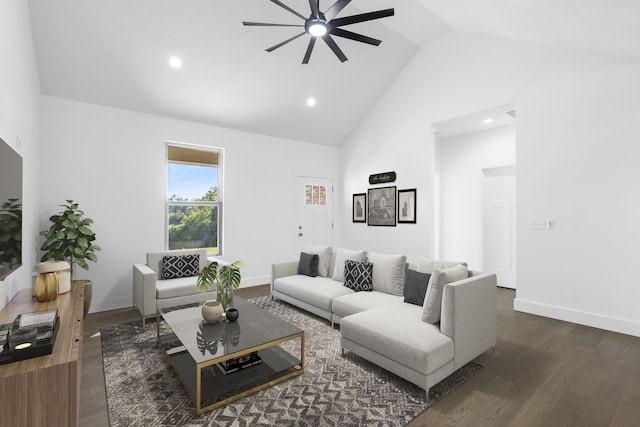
(151, 294)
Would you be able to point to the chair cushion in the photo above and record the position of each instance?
(399, 333)
(176, 287)
(357, 275)
(176, 266)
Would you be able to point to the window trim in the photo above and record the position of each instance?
(219, 203)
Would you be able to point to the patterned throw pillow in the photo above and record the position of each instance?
(176, 266)
(357, 275)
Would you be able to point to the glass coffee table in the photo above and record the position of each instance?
(225, 361)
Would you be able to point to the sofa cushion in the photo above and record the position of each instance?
(415, 287)
(426, 265)
(355, 303)
(308, 264)
(433, 298)
(176, 266)
(400, 335)
(317, 291)
(324, 254)
(388, 272)
(341, 256)
(357, 275)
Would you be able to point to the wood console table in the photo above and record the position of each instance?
(45, 391)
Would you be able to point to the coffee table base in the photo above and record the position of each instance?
(209, 388)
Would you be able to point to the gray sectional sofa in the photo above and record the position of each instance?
(420, 343)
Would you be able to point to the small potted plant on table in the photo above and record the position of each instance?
(227, 280)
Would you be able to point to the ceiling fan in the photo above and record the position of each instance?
(324, 25)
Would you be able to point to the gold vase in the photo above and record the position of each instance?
(47, 286)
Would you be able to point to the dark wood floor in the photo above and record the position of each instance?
(543, 372)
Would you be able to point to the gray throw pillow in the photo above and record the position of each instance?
(415, 287)
(308, 264)
(433, 299)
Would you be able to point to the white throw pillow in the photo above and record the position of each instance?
(341, 256)
(324, 253)
(388, 273)
(426, 265)
(433, 298)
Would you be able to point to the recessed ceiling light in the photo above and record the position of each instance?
(487, 121)
(175, 62)
(311, 102)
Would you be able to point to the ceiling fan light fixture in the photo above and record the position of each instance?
(317, 28)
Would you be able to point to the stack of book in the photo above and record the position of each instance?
(238, 363)
(29, 335)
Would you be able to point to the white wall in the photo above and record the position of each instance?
(112, 162)
(459, 164)
(19, 126)
(577, 155)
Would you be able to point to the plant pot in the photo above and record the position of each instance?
(64, 282)
(211, 311)
(232, 314)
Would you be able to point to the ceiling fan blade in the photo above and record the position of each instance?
(334, 47)
(307, 54)
(354, 19)
(274, 47)
(267, 24)
(315, 10)
(335, 9)
(284, 6)
(355, 36)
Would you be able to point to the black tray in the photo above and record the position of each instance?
(42, 347)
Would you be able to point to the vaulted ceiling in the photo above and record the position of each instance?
(116, 53)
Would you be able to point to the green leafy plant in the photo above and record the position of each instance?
(70, 238)
(227, 280)
(10, 232)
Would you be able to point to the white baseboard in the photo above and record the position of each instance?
(247, 282)
(594, 320)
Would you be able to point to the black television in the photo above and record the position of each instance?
(10, 210)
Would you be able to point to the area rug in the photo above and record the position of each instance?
(335, 390)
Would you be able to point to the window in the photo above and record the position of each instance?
(194, 198)
(315, 195)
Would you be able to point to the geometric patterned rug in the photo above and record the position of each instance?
(335, 390)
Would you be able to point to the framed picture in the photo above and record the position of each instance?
(382, 206)
(359, 211)
(407, 206)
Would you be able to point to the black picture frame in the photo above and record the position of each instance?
(407, 206)
(381, 209)
(359, 207)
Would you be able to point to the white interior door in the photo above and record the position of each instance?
(499, 232)
(314, 205)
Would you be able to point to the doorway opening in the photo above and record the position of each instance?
(474, 167)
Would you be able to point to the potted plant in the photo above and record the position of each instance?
(227, 280)
(71, 239)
